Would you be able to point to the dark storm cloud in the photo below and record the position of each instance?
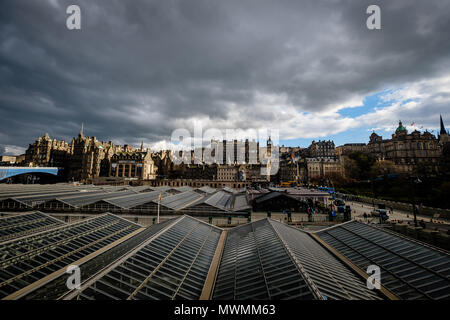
(138, 67)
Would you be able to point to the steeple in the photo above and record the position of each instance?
(442, 126)
(81, 131)
(142, 145)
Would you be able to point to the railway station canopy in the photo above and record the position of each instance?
(186, 258)
(204, 201)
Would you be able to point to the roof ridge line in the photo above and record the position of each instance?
(386, 292)
(334, 226)
(312, 286)
(121, 218)
(210, 225)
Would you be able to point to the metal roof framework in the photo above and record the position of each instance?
(86, 201)
(206, 189)
(13, 204)
(179, 201)
(173, 264)
(409, 269)
(30, 262)
(270, 260)
(256, 266)
(131, 202)
(23, 224)
(186, 258)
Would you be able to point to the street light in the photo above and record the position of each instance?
(414, 181)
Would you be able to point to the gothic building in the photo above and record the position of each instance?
(443, 136)
(89, 158)
(47, 152)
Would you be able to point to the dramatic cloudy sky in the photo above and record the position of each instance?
(140, 69)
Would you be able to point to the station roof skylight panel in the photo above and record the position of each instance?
(255, 265)
(88, 199)
(230, 190)
(220, 200)
(57, 289)
(19, 193)
(184, 188)
(134, 200)
(29, 259)
(37, 199)
(141, 188)
(172, 265)
(206, 189)
(240, 203)
(333, 278)
(180, 201)
(409, 268)
(206, 206)
(162, 188)
(23, 224)
(42, 196)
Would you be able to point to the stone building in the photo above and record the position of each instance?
(228, 173)
(89, 158)
(198, 171)
(322, 167)
(350, 148)
(47, 152)
(444, 136)
(8, 160)
(234, 152)
(137, 165)
(289, 171)
(322, 149)
(406, 150)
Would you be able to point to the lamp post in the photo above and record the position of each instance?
(414, 182)
(159, 205)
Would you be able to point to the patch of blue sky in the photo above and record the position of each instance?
(370, 103)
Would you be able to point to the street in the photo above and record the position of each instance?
(358, 209)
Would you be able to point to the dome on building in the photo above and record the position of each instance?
(400, 128)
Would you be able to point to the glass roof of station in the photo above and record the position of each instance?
(20, 225)
(410, 269)
(270, 260)
(26, 260)
(186, 258)
(172, 265)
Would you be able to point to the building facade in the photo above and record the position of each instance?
(137, 165)
(322, 167)
(322, 149)
(350, 148)
(47, 152)
(406, 150)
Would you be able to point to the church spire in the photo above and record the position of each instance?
(142, 145)
(81, 131)
(442, 126)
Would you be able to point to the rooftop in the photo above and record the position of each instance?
(186, 258)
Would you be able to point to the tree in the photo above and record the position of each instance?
(382, 167)
(359, 165)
